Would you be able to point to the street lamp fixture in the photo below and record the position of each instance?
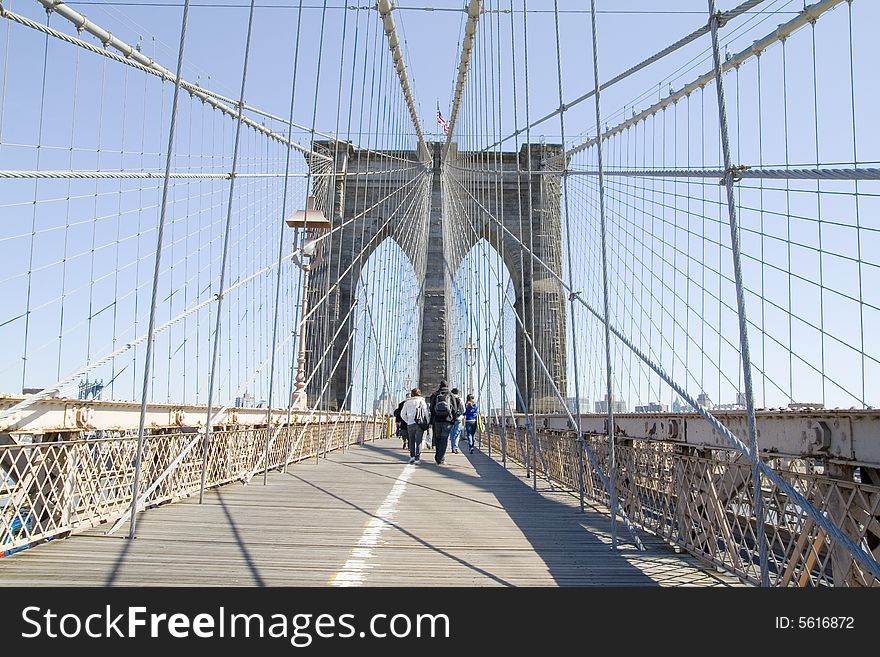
(311, 218)
(470, 353)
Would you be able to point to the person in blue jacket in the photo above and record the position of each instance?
(471, 409)
(458, 427)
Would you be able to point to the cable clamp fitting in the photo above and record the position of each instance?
(575, 294)
(733, 172)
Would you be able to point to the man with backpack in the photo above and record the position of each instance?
(444, 413)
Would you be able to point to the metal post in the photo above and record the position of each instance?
(159, 239)
(571, 298)
(300, 397)
(729, 180)
(612, 469)
(296, 394)
(503, 425)
(580, 454)
(280, 254)
(220, 290)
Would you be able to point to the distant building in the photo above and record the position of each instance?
(90, 389)
(678, 406)
(245, 401)
(653, 407)
(738, 405)
(617, 406)
(572, 404)
(382, 405)
(704, 402)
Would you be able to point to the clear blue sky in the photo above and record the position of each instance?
(629, 31)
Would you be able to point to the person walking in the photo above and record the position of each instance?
(401, 425)
(458, 427)
(443, 411)
(415, 414)
(471, 413)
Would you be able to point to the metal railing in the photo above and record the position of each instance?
(51, 489)
(702, 500)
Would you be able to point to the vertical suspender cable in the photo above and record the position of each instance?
(530, 416)
(856, 211)
(574, 333)
(160, 234)
(612, 473)
(530, 315)
(740, 299)
(328, 248)
(360, 258)
(499, 182)
(278, 263)
(114, 374)
(27, 312)
(337, 186)
(527, 383)
(303, 290)
(67, 222)
(186, 277)
(231, 197)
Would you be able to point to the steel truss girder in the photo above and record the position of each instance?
(834, 435)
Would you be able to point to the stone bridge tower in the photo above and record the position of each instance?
(363, 195)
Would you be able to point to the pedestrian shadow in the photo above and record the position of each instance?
(566, 540)
(574, 546)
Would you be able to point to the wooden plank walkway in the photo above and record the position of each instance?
(365, 516)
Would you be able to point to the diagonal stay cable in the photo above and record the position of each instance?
(70, 379)
(725, 17)
(132, 57)
(835, 532)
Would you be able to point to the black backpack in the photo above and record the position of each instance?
(443, 408)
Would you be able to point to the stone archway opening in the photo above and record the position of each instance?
(483, 345)
(385, 319)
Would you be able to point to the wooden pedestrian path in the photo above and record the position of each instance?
(365, 517)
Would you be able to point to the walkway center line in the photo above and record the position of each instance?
(354, 570)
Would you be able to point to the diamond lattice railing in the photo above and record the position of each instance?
(702, 501)
(50, 489)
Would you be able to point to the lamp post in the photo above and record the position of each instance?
(470, 352)
(308, 219)
(298, 401)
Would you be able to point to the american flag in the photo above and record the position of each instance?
(442, 122)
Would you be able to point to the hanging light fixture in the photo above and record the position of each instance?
(310, 218)
(310, 248)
